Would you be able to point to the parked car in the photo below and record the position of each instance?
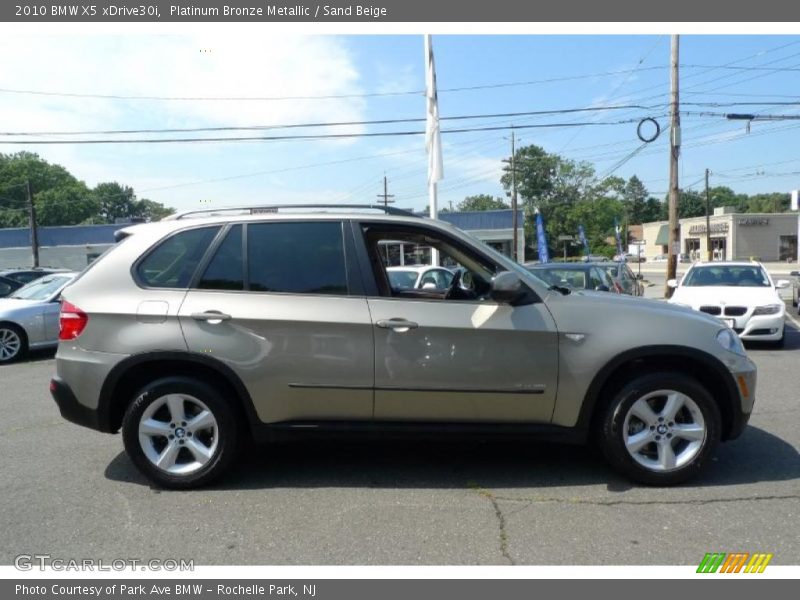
(29, 317)
(682, 258)
(25, 275)
(8, 286)
(419, 277)
(205, 329)
(624, 280)
(595, 258)
(636, 258)
(741, 294)
(575, 276)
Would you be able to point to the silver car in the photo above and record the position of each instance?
(29, 317)
(197, 333)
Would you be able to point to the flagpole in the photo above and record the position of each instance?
(433, 141)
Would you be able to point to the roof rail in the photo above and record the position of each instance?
(267, 208)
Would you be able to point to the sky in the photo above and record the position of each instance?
(137, 81)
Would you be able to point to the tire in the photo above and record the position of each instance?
(636, 441)
(187, 425)
(13, 343)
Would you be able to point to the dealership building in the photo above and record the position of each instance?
(768, 237)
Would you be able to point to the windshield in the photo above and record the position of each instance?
(727, 275)
(402, 279)
(573, 278)
(41, 289)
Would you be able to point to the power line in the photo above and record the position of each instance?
(560, 111)
(321, 136)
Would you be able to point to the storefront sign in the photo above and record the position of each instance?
(754, 221)
(715, 228)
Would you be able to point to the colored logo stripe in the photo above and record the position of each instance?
(734, 562)
(758, 563)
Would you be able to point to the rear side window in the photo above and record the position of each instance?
(297, 258)
(174, 261)
(226, 269)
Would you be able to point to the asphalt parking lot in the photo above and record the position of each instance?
(72, 493)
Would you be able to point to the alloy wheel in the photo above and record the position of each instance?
(10, 344)
(178, 434)
(664, 430)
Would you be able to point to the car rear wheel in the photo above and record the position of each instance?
(13, 343)
(660, 429)
(181, 432)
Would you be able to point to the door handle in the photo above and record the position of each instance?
(399, 325)
(213, 317)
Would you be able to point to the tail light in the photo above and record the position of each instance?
(72, 321)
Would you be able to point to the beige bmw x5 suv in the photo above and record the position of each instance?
(195, 334)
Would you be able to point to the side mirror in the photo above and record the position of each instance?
(508, 288)
(601, 288)
(673, 283)
(782, 284)
(639, 276)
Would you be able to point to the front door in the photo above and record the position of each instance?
(459, 357)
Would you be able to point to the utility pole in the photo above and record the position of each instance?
(514, 220)
(674, 153)
(386, 195)
(32, 224)
(708, 221)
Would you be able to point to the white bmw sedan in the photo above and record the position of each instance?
(741, 294)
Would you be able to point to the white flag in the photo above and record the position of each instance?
(433, 138)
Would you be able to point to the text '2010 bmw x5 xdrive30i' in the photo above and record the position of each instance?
(198, 332)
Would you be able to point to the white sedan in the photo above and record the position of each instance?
(419, 277)
(741, 294)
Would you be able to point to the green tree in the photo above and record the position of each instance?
(115, 201)
(634, 199)
(481, 202)
(66, 205)
(151, 210)
(15, 171)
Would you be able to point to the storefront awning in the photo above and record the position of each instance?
(662, 239)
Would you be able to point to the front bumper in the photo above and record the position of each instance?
(766, 328)
(744, 375)
(70, 408)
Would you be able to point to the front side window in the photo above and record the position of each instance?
(174, 261)
(474, 272)
(297, 258)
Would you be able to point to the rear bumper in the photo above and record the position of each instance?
(71, 409)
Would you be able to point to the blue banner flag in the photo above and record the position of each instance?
(541, 240)
(583, 240)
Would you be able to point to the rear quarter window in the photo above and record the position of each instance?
(173, 262)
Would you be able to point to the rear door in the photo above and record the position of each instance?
(278, 302)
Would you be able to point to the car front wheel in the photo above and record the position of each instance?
(181, 432)
(12, 343)
(660, 429)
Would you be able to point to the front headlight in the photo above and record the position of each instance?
(769, 309)
(731, 342)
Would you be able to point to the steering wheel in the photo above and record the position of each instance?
(454, 285)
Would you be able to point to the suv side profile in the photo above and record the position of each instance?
(194, 335)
